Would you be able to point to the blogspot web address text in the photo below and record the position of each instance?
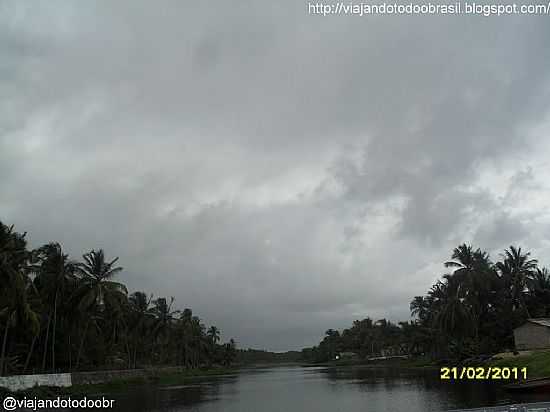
(351, 8)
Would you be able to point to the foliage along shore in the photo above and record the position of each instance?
(470, 313)
(412, 363)
(155, 377)
(58, 314)
(536, 362)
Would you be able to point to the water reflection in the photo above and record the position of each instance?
(175, 398)
(448, 394)
(319, 390)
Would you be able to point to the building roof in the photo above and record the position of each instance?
(540, 321)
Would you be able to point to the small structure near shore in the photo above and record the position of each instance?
(21, 382)
(533, 334)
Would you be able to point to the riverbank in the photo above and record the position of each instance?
(536, 362)
(160, 378)
(156, 376)
(385, 363)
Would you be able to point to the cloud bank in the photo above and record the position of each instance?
(278, 172)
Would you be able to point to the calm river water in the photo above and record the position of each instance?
(319, 390)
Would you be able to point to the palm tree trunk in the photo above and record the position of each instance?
(522, 299)
(53, 333)
(70, 353)
(186, 356)
(82, 343)
(46, 343)
(129, 354)
(4, 344)
(31, 350)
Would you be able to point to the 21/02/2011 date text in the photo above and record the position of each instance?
(482, 373)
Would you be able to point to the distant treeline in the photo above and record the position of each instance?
(470, 311)
(59, 314)
(254, 356)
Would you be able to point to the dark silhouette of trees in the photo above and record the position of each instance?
(57, 314)
(468, 312)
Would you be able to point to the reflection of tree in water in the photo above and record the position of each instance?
(459, 394)
(173, 398)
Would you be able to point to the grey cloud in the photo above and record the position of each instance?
(501, 232)
(271, 170)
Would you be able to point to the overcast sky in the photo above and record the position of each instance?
(280, 173)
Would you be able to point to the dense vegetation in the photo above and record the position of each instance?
(469, 312)
(255, 356)
(60, 314)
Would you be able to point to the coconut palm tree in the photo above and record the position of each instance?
(454, 317)
(141, 318)
(539, 280)
(229, 352)
(164, 323)
(14, 307)
(539, 288)
(213, 334)
(516, 269)
(419, 308)
(473, 275)
(199, 343)
(55, 276)
(96, 289)
(185, 329)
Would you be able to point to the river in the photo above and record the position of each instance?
(318, 389)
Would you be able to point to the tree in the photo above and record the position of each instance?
(141, 319)
(213, 334)
(229, 353)
(164, 323)
(96, 289)
(473, 274)
(419, 308)
(49, 301)
(516, 269)
(14, 307)
(55, 276)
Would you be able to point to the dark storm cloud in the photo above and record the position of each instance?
(279, 173)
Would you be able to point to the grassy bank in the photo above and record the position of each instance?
(163, 379)
(120, 385)
(536, 362)
(393, 363)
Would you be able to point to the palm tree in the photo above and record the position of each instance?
(14, 307)
(419, 308)
(539, 286)
(96, 289)
(540, 279)
(474, 274)
(229, 353)
(164, 322)
(454, 318)
(213, 334)
(141, 317)
(516, 268)
(47, 301)
(185, 328)
(199, 344)
(55, 275)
